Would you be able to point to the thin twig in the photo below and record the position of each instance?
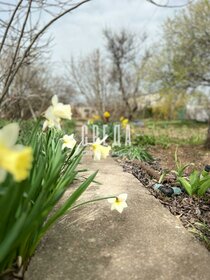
(36, 37)
(9, 24)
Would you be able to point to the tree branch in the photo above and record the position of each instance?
(36, 37)
(170, 6)
(9, 24)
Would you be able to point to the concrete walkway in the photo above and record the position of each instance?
(144, 242)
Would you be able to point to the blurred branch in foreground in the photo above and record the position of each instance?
(22, 26)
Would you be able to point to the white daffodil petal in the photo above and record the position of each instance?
(3, 175)
(62, 111)
(9, 134)
(105, 151)
(56, 125)
(122, 196)
(124, 204)
(113, 207)
(49, 113)
(51, 119)
(111, 200)
(71, 144)
(69, 141)
(119, 208)
(97, 155)
(54, 100)
(68, 145)
(64, 146)
(45, 125)
(68, 138)
(99, 150)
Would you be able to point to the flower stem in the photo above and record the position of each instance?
(93, 200)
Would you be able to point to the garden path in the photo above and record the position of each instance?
(145, 242)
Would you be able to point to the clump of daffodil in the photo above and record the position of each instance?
(96, 117)
(15, 159)
(124, 122)
(90, 122)
(68, 141)
(107, 115)
(119, 202)
(100, 151)
(55, 113)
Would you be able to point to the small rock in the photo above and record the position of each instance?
(177, 191)
(207, 168)
(157, 186)
(168, 191)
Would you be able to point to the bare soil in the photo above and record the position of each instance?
(186, 154)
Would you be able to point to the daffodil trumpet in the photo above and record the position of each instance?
(14, 159)
(124, 122)
(107, 116)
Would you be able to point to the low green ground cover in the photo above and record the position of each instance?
(165, 133)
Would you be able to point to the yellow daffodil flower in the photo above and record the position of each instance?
(55, 113)
(60, 110)
(90, 122)
(14, 159)
(96, 117)
(99, 151)
(119, 202)
(68, 141)
(51, 120)
(121, 119)
(124, 122)
(107, 115)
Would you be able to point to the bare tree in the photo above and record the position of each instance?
(22, 26)
(31, 89)
(89, 76)
(127, 64)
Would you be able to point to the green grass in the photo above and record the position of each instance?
(174, 123)
(165, 133)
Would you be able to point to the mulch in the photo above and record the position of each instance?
(194, 212)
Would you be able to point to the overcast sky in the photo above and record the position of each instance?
(81, 31)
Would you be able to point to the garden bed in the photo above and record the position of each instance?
(194, 212)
